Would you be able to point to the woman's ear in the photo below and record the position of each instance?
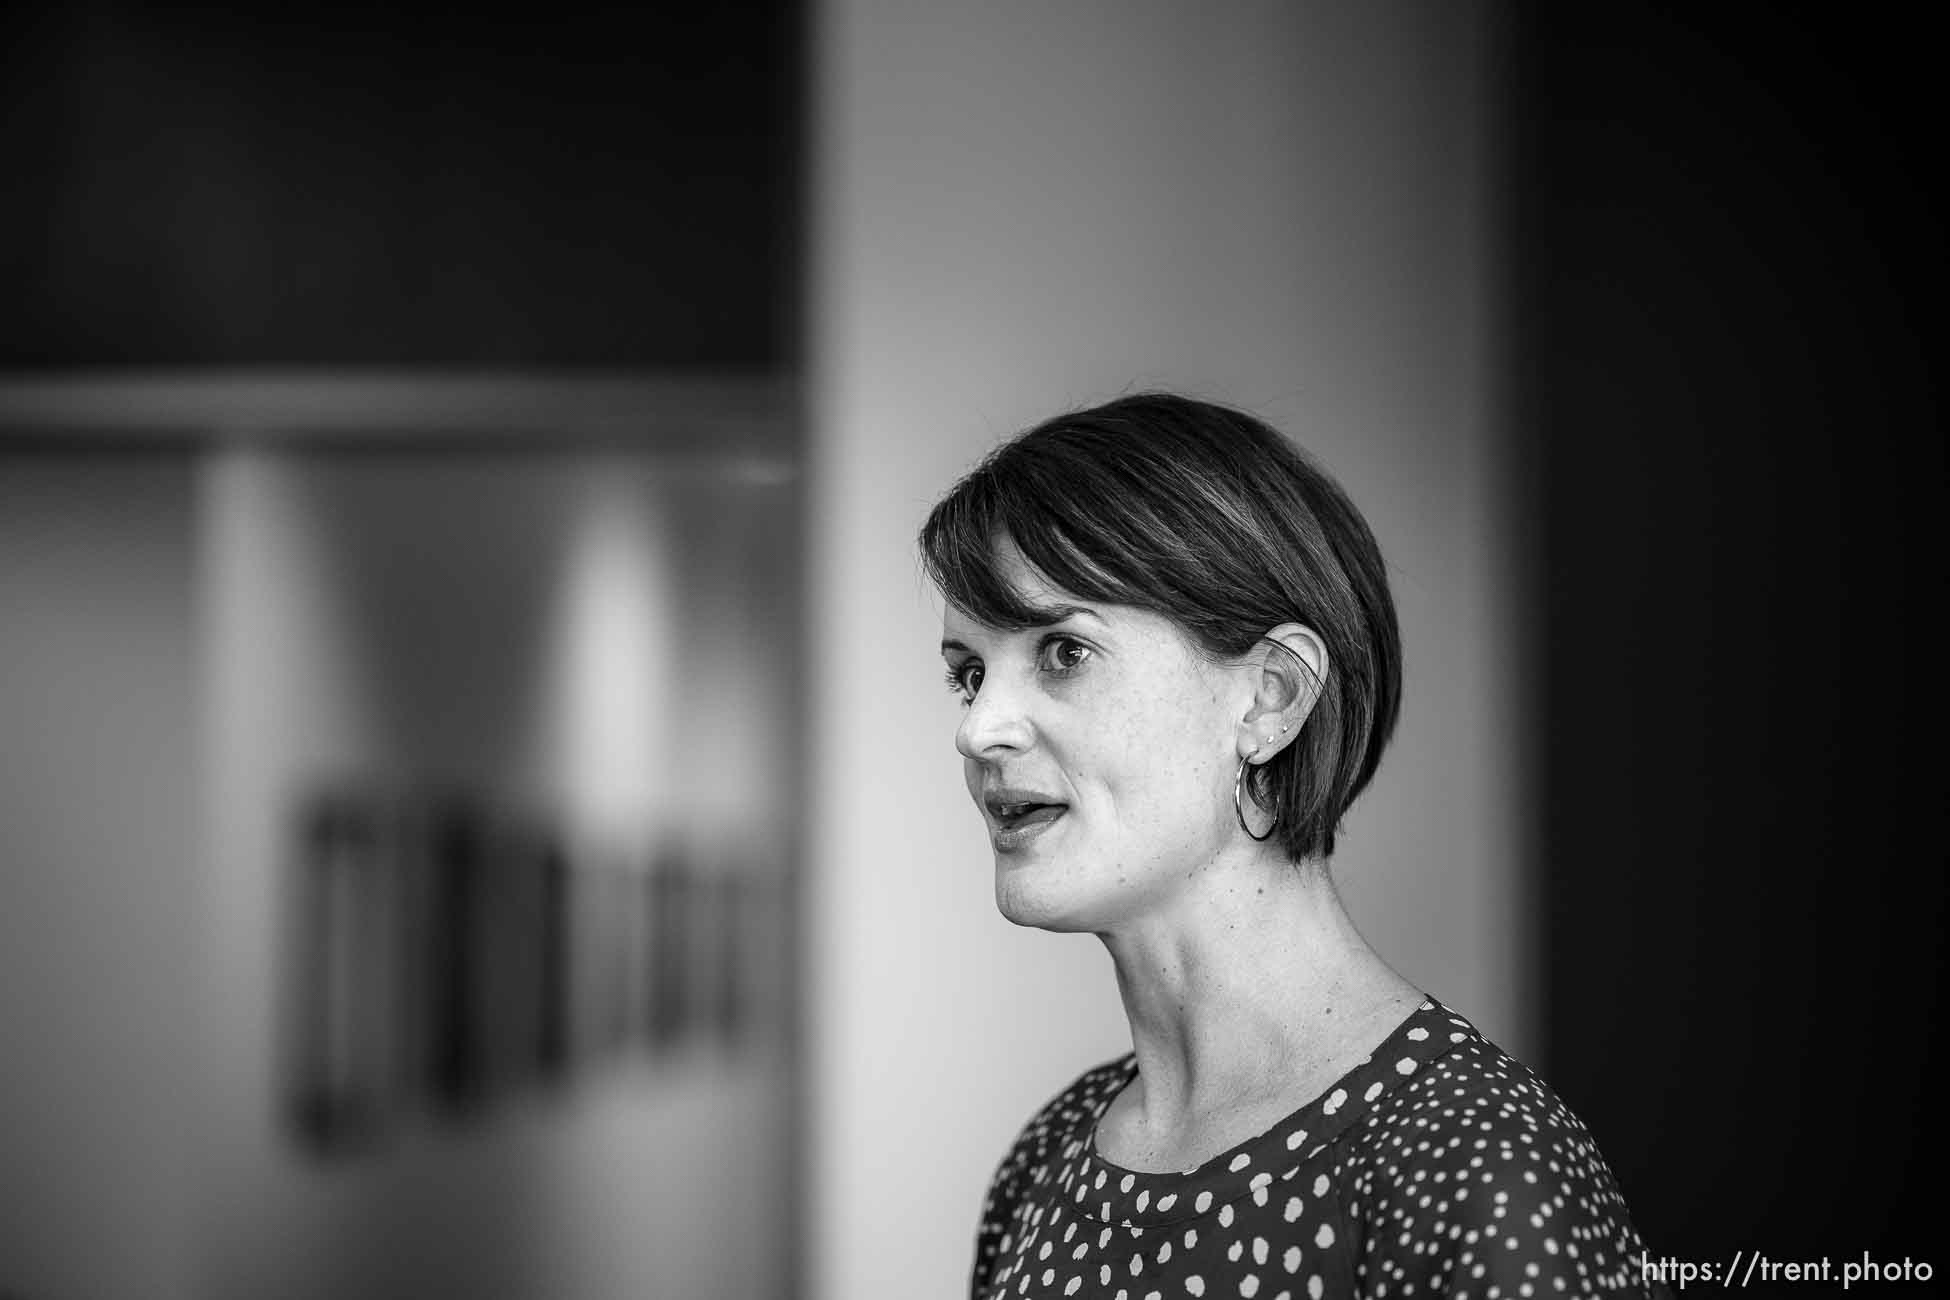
(1290, 667)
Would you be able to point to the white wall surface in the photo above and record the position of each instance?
(1022, 208)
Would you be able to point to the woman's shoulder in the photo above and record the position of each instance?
(1071, 1112)
(1474, 1096)
(1066, 1119)
(1479, 1151)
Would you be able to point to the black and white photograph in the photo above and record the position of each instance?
(892, 650)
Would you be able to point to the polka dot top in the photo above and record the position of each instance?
(1437, 1166)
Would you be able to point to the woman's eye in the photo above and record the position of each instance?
(1062, 654)
(965, 679)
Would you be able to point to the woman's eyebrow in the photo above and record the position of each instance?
(1039, 616)
(1047, 615)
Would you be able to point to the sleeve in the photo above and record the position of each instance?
(1507, 1197)
(998, 1212)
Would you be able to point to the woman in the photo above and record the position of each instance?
(1179, 663)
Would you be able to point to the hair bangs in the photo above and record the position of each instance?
(1062, 553)
(959, 548)
(962, 548)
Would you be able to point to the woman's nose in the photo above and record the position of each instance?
(994, 724)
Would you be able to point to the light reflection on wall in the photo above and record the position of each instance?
(609, 665)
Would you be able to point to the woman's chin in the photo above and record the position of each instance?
(1035, 903)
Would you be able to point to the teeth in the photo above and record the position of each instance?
(1019, 809)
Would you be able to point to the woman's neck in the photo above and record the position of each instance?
(1251, 989)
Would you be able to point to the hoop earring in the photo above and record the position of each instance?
(1239, 810)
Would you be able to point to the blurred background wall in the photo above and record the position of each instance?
(400, 872)
(500, 639)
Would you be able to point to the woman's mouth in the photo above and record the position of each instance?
(1018, 817)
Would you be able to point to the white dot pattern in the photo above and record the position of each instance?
(1437, 1166)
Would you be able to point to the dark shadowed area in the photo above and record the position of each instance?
(1728, 252)
(419, 185)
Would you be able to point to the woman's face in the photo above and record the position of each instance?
(1100, 749)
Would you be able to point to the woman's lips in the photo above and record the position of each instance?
(1017, 825)
(1018, 814)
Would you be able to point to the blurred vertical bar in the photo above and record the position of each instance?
(100, 904)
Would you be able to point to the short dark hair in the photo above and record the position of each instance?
(1209, 517)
